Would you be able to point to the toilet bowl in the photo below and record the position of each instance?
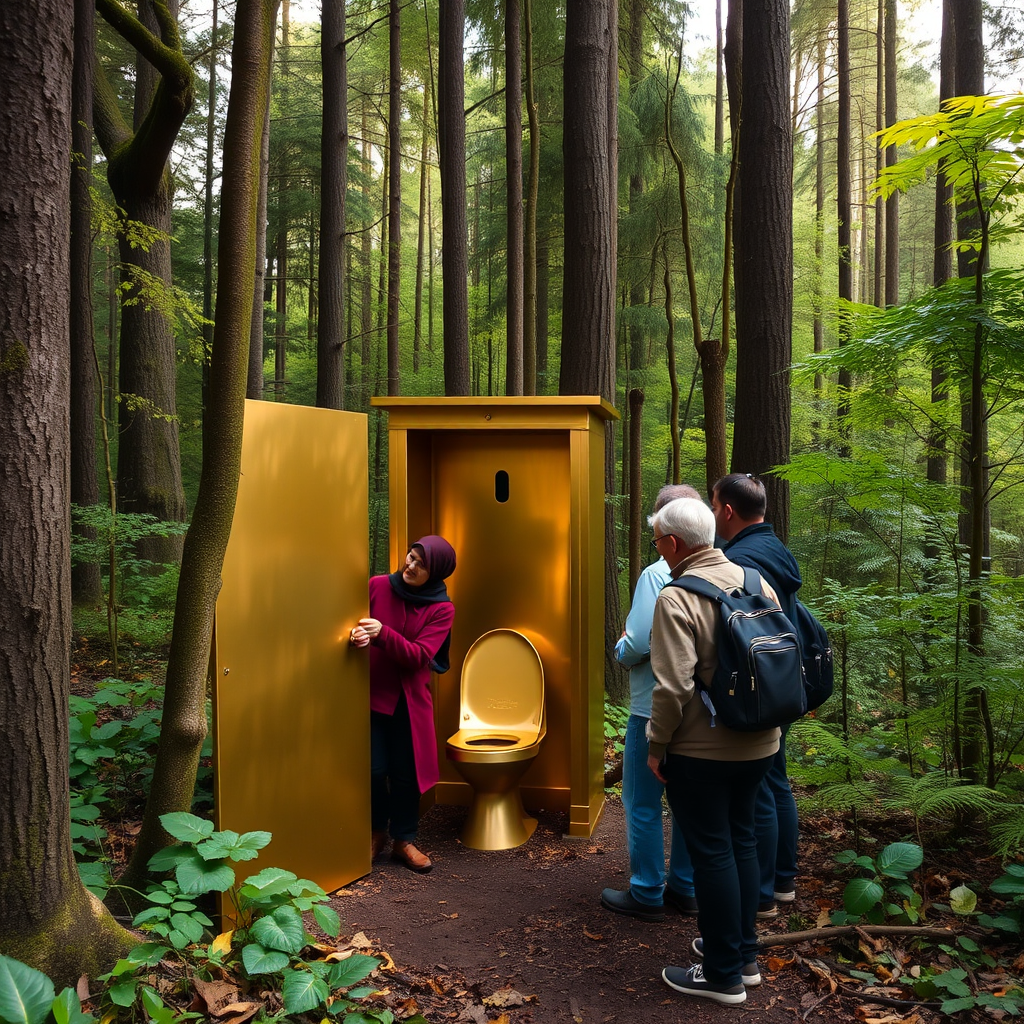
(502, 724)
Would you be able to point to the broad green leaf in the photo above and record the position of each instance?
(161, 897)
(193, 930)
(899, 858)
(167, 858)
(26, 994)
(123, 993)
(150, 914)
(351, 970)
(147, 954)
(861, 894)
(232, 846)
(327, 920)
(107, 729)
(956, 1005)
(303, 992)
(67, 1009)
(185, 827)
(281, 929)
(196, 875)
(962, 900)
(268, 882)
(156, 1010)
(258, 960)
(967, 943)
(1008, 885)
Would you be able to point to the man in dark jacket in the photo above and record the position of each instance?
(738, 502)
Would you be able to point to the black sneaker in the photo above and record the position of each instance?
(691, 982)
(623, 902)
(785, 892)
(751, 972)
(684, 904)
(766, 911)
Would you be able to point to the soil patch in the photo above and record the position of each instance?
(484, 930)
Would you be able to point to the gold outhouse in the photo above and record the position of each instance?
(517, 486)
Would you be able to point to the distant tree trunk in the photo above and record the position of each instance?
(530, 227)
(330, 329)
(719, 82)
(819, 216)
(149, 461)
(452, 157)
(281, 307)
(395, 190)
(764, 296)
(47, 918)
(421, 233)
(673, 377)
(211, 137)
(183, 726)
(543, 284)
(637, 69)
(366, 262)
(254, 385)
(636, 485)
(514, 201)
(892, 204)
(86, 585)
(878, 280)
(845, 212)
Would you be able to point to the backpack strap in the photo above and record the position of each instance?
(699, 585)
(751, 580)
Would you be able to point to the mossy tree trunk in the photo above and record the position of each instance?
(47, 918)
(149, 460)
(184, 720)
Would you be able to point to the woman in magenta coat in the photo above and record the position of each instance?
(408, 632)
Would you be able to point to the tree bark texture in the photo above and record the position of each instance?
(330, 328)
(636, 487)
(892, 204)
(844, 201)
(452, 155)
(149, 460)
(395, 193)
(184, 716)
(530, 225)
(47, 918)
(86, 585)
(764, 294)
(513, 201)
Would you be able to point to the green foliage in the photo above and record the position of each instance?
(1010, 885)
(616, 718)
(866, 897)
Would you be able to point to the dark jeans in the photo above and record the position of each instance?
(713, 801)
(394, 791)
(777, 827)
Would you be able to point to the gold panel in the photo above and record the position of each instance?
(291, 697)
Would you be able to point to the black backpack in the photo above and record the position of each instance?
(819, 676)
(759, 682)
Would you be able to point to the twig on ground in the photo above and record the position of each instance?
(843, 930)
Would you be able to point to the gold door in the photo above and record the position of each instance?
(291, 697)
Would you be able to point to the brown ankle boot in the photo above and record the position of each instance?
(378, 841)
(405, 853)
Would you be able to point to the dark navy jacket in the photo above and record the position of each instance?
(758, 548)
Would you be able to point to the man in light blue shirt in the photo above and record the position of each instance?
(641, 791)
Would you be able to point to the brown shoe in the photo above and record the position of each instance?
(405, 853)
(377, 843)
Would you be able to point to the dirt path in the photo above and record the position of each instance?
(531, 919)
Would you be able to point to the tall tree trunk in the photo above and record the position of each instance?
(844, 205)
(636, 485)
(452, 157)
(673, 377)
(86, 585)
(47, 918)
(530, 227)
(366, 262)
(892, 204)
(421, 233)
(395, 190)
(764, 297)
(879, 279)
(211, 136)
(149, 460)
(819, 217)
(543, 287)
(719, 82)
(183, 726)
(281, 306)
(514, 201)
(330, 329)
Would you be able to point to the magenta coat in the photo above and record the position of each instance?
(400, 657)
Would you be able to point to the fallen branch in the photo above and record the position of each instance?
(843, 930)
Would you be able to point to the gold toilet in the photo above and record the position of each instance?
(501, 714)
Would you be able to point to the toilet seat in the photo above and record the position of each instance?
(501, 703)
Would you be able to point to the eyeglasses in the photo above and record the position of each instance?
(654, 540)
(413, 562)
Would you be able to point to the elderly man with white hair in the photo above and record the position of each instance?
(711, 773)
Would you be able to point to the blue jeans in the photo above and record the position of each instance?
(776, 826)
(645, 834)
(394, 789)
(714, 803)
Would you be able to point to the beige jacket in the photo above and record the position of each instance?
(684, 644)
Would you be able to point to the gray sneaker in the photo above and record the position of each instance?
(751, 972)
(691, 982)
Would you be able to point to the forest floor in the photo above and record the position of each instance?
(520, 936)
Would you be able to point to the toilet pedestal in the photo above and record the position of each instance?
(497, 819)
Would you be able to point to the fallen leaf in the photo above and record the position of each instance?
(507, 996)
(360, 941)
(216, 994)
(438, 988)
(82, 988)
(222, 944)
(451, 917)
(240, 1012)
(596, 936)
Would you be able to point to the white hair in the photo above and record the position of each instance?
(689, 520)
